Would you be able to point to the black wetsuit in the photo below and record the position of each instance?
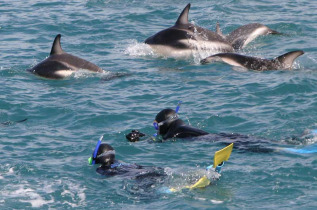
(142, 181)
(178, 129)
(130, 170)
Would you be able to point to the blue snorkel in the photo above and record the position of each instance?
(157, 125)
(178, 106)
(92, 159)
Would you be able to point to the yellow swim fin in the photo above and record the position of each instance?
(202, 182)
(222, 155)
(219, 157)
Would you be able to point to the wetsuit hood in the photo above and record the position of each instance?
(167, 117)
(105, 155)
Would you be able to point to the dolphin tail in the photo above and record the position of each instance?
(287, 59)
(183, 17)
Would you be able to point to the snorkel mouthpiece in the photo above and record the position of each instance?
(90, 160)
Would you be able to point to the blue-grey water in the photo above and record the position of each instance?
(44, 159)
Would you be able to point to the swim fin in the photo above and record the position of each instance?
(222, 155)
(305, 150)
(219, 157)
(201, 183)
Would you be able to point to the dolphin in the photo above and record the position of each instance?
(184, 38)
(284, 61)
(61, 64)
(243, 35)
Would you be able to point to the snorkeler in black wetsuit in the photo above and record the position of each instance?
(168, 125)
(104, 154)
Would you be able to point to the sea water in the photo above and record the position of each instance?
(44, 159)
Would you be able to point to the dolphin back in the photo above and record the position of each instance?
(284, 61)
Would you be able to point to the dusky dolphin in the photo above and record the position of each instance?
(184, 38)
(243, 35)
(284, 61)
(61, 64)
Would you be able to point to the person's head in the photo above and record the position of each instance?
(105, 155)
(164, 119)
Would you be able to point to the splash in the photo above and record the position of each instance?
(82, 73)
(178, 180)
(138, 49)
(39, 193)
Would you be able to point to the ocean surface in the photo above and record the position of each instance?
(44, 159)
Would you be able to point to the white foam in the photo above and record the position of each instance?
(216, 201)
(11, 171)
(76, 193)
(35, 200)
(139, 49)
(83, 73)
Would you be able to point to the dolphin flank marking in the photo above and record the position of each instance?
(284, 61)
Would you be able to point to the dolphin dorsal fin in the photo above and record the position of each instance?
(218, 30)
(56, 47)
(287, 59)
(183, 17)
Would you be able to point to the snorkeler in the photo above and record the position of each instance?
(104, 154)
(168, 124)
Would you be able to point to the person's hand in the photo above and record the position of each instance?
(134, 136)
